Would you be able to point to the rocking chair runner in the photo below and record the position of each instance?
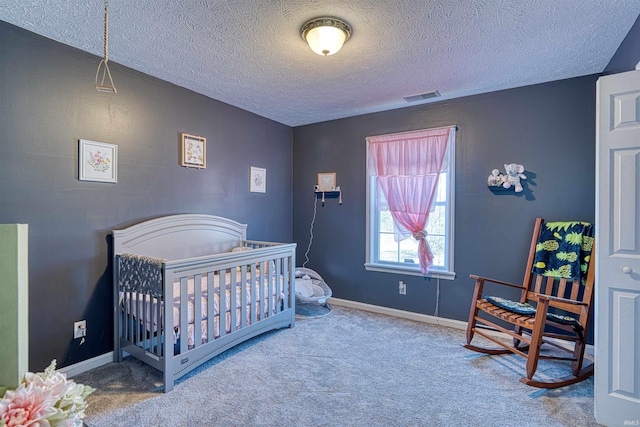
(564, 303)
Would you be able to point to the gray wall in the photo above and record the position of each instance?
(549, 128)
(628, 54)
(47, 103)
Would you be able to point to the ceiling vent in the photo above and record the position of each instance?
(422, 96)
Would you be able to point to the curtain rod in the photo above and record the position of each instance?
(416, 130)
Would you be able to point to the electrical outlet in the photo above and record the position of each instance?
(80, 329)
(402, 287)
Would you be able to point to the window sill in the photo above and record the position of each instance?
(409, 271)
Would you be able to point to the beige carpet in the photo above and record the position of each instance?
(350, 368)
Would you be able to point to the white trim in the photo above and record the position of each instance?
(454, 127)
(409, 271)
(451, 200)
(419, 317)
(87, 365)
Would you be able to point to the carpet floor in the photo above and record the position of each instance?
(350, 368)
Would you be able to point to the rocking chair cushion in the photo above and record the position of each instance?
(528, 310)
(513, 306)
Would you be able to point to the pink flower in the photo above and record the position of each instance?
(27, 406)
(55, 382)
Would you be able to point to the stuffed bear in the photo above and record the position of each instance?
(513, 176)
(496, 179)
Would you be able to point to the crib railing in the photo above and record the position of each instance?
(267, 289)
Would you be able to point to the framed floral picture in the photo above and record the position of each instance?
(194, 151)
(97, 161)
(258, 180)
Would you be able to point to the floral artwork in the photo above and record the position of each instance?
(258, 180)
(44, 399)
(97, 161)
(194, 151)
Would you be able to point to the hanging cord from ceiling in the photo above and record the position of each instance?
(313, 220)
(109, 86)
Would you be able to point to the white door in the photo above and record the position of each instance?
(617, 299)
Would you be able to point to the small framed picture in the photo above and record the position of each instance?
(258, 180)
(194, 151)
(326, 181)
(97, 161)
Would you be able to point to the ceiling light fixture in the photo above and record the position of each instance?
(109, 86)
(326, 35)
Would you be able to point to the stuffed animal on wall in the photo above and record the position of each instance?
(513, 176)
(496, 179)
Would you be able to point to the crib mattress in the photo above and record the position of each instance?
(149, 305)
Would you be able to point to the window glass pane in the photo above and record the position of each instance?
(386, 222)
(441, 189)
(436, 243)
(388, 248)
(436, 223)
(409, 251)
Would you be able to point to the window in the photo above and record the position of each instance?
(384, 251)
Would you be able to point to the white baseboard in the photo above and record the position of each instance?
(106, 358)
(87, 365)
(419, 317)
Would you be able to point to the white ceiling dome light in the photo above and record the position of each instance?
(326, 35)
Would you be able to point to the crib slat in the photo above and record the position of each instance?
(243, 296)
(286, 282)
(222, 308)
(129, 316)
(139, 318)
(266, 284)
(184, 324)
(197, 310)
(134, 316)
(277, 279)
(211, 290)
(144, 323)
(233, 286)
(158, 328)
(254, 296)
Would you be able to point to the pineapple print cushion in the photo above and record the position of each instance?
(564, 249)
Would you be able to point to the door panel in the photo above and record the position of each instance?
(617, 305)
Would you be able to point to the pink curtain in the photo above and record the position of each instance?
(407, 166)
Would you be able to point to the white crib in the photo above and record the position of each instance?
(197, 257)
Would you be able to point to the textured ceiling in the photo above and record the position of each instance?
(249, 53)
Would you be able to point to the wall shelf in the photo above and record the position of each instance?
(500, 189)
(328, 194)
(323, 195)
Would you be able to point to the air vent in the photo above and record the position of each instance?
(422, 96)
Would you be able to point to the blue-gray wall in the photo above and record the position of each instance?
(549, 128)
(628, 54)
(48, 102)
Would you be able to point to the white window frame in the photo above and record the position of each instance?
(373, 264)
